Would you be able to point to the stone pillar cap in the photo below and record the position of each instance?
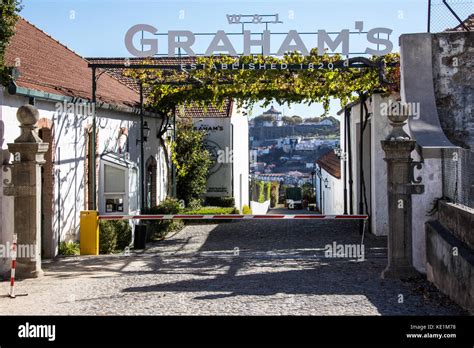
(27, 115)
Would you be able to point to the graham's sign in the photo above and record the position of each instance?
(377, 40)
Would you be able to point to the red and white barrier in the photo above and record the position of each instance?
(234, 217)
(12, 276)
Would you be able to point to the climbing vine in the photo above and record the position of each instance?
(213, 86)
(192, 162)
(8, 19)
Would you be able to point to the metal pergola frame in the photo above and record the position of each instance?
(349, 63)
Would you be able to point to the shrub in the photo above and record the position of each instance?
(192, 161)
(268, 187)
(158, 229)
(124, 234)
(107, 237)
(227, 201)
(69, 248)
(261, 194)
(246, 210)
(274, 192)
(194, 203)
(212, 211)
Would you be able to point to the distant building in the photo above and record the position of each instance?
(329, 184)
(276, 115)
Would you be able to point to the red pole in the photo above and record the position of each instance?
(12, 277)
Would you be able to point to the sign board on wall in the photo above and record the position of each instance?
(218, 139)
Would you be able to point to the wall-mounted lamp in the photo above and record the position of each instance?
(146, 133)
(326, 183)
(169, 132)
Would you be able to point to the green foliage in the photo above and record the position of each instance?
(194, 203)
(158, 229)
(124, 234)
(69, 248)
(221, 201)
(192, 161)
(169, 206)
(268, 188)
(8, 19)
(308, 192)
(248, 87)
(212, 211)
(297, 119)
(107, 237)
(312, 120)
(246, 210)
(114, 235)
(275, 185)
(261, 191)
(264, 118)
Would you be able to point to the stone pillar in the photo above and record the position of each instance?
(398, 147)
(28, 155)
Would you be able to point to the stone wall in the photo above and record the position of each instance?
(453, 63)
(450, 253)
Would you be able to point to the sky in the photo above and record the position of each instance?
(96, 28)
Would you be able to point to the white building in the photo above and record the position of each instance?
(56, 81)
(329, 184)
(227, 141)
(276, 116)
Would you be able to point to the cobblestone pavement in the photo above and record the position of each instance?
(237, 268)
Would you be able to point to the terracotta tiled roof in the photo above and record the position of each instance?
(330, 163)
(192, 112)
(469, 22)
(47, 65)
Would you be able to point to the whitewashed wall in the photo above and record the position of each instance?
(229, 136)
(69, 134)
(375, 168)
(331, 198)
(430, 174)
(240, 164)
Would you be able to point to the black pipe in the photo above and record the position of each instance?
(58, 172)
(344, 152)
(429, 15)
(142, 155)
(94, 139)
(361, 156)
(349, 154)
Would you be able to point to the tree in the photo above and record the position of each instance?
(192, 161)
(287, 120)
(8, 19)
(312, 120)
(264, 118)
(297, 119)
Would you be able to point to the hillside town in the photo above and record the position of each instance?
(145, 185)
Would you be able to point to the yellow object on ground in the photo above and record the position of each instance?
(89, 232)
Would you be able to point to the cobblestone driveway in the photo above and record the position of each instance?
(238, 268)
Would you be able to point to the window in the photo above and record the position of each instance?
(114, 188)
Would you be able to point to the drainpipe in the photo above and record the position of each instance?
(349, 157)
(142, 155)
(344, 162)
(361, 157)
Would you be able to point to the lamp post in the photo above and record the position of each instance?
(144, 134)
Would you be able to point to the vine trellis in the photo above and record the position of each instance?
(305, 79)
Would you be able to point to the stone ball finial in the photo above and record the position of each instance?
(27, 115)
